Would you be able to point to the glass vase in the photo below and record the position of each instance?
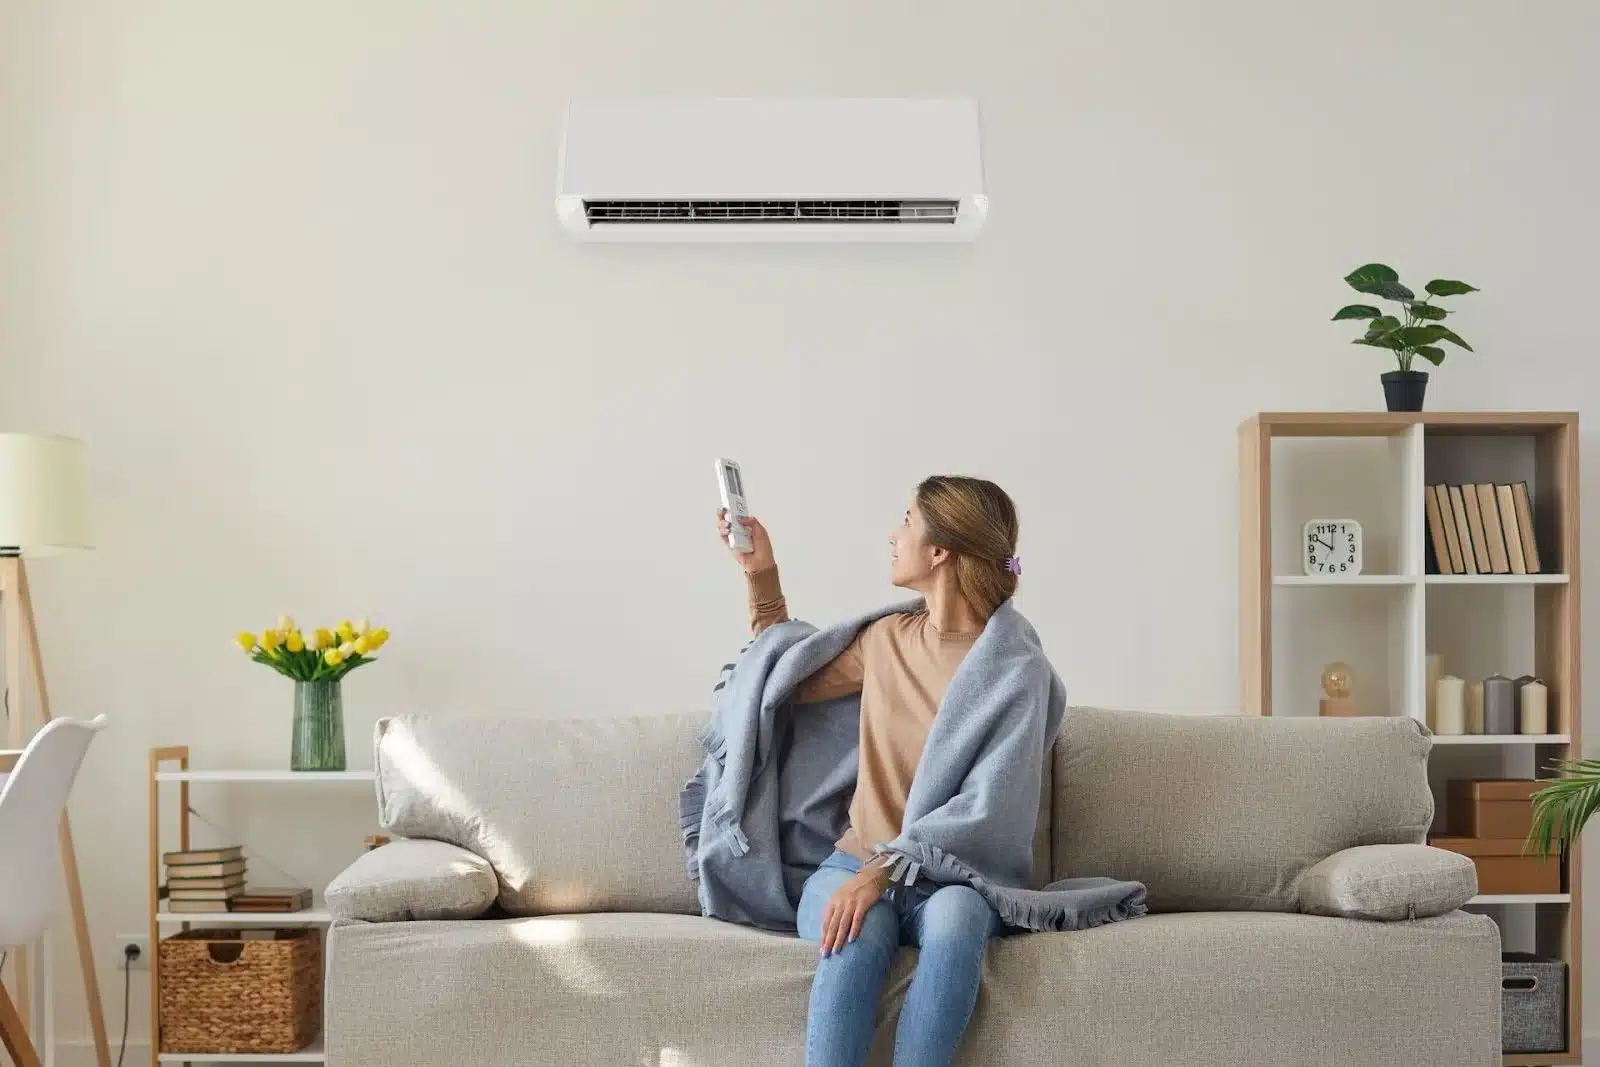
(318, 743)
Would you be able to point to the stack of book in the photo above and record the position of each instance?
(204, 880)
(272, 900)
(1481, 529)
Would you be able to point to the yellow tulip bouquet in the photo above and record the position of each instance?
(327, 655)
(317, 665)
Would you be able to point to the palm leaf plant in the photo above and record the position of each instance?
(1564, 806)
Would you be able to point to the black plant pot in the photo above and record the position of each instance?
(1403, 389)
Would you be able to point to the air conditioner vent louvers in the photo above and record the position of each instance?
(773, 212)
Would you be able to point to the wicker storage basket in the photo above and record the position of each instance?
(235, 991)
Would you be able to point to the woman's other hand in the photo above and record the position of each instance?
(760, 558)
(847, 909)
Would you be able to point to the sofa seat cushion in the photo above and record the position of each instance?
(572, 814)
(1228, 812)
(1251, 989)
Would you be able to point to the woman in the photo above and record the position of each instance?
(957, 547)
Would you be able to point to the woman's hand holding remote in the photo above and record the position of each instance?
(760, 556)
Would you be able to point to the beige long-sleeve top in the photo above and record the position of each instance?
(901, 665)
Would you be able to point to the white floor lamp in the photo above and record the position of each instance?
(43, 510)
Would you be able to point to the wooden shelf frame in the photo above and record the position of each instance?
(1555, 597)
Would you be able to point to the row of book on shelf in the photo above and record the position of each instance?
(213, 880)
(1481, 529)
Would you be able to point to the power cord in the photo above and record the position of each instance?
(130, 953)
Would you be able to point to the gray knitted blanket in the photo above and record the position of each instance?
(773, 792)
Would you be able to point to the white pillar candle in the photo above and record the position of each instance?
(1475, 708)
(1449, 706)
(1535, 718)
(1435, 662)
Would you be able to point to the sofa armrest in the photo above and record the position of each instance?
(413, 879)
(1388, 883)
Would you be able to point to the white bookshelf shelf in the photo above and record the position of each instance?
(312, 1053)
(1522, 898)
(1497, 579)
(308, 917)
(1292, 580)
(1502, 739)
(277, 776)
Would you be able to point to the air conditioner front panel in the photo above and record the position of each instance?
(646, 169)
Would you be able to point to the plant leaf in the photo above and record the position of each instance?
(1446, 287)
(1452, 337)
(1362, 279)
(1413, 336)
(1565, 805)
(1392, 291)
(1383, 324)
(1427, 311)
(1385, 341)
(1356, 311)
(1431, 354)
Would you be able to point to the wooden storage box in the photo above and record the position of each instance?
(1490, 807)
(241, 991)
(1502, 868)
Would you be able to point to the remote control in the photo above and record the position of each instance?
(732, 487)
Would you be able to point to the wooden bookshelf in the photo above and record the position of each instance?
(1373, 467)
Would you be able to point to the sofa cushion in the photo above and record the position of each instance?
(408, 880)
(573, 814)
(1228, 812)
(1388, 883)
(1248, 989)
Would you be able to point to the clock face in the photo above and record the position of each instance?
(1333, 547)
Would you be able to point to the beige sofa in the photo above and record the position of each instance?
(564, 833)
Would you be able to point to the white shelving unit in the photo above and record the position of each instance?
(311, 1054)
(282, 777)
(1373, 467)
(186, 778)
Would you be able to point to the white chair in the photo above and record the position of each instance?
(32, 798)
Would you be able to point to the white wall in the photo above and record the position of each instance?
(292, 270)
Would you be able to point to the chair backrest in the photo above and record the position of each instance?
(31, 801)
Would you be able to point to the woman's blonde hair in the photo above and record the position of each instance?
(975, 520)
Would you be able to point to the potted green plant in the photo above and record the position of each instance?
(1565, 804)
(1415, 334)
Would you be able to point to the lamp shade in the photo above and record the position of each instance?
(44, 494)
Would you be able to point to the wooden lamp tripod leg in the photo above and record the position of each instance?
(21, 629)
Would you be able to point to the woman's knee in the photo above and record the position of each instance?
(879, 937)
(957, 914)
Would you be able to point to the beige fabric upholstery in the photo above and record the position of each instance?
(573, 814)
(1228, 812)
(1389, 882)
(407, 880)
(1253, 990)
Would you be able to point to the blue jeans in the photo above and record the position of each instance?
(950, 925)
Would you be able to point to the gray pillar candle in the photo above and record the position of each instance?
(1499, 705)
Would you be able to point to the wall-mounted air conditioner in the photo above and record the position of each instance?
(772, 170)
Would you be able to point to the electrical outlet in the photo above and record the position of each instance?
(138, 942)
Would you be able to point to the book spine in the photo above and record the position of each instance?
(1458, 506)
(1480, 543)
(1457, 565)
(1508, 514)
(1493, 530)
(1530, 543)
(1441, 548)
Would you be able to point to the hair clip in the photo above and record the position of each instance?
(1014, 565)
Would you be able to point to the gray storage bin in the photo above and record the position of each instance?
(1533, 1003)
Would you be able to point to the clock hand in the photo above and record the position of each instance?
(1325, 544)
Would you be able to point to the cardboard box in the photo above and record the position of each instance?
(1502, 868)
(1490, 807)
